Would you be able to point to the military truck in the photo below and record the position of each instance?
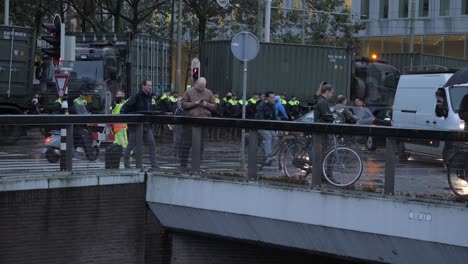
(16, 77)
(109, 62)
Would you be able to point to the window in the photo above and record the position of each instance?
(433, 44)
(403, 9)
(444, 8)
(417, 44)
(464, 10)
(424, 8)
(454, 46)
(364, 9)
(383, 9)
(392, 44)
(348, 4)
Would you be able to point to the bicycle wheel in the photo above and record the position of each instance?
(341, 166)
(457, 173)
(296, 160)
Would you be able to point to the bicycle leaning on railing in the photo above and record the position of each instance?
(457, 172)
(341, 165)
(283, 141)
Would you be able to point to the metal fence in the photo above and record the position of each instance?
(213, 148)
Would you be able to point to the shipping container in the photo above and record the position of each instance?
(16, 67)
(16, 77)
(283, 68)
(406, 62)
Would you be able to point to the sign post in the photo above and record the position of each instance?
(223, 3)
(61, 81)
(195, 69)
(245, 47)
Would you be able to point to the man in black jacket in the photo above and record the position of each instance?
(266, 111)
(140, 102)
(322, 113)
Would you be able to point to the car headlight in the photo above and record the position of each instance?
(461, 124)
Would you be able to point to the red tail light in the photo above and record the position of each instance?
(48, 139)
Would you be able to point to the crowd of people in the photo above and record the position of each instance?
(202, 102)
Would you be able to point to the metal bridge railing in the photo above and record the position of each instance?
(212, 147)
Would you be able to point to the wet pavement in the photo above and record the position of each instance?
(420, 177)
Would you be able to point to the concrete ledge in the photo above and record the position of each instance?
(315, 238)
(417, 220)
(52, 180)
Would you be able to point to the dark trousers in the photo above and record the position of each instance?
(148, 140)
(187, 144)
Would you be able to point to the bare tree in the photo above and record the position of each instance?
(114, 7)
(203, 10)
(139, 11)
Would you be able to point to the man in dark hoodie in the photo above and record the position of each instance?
(140, 102)
(266, 111)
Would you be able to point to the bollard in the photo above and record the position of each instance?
(196, 149)
(139, 146)
(317, 146)
(390, 146)
(252, 155)
(66, 148)
(63, 149)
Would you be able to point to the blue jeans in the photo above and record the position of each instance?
(269, 140)
(148, 140)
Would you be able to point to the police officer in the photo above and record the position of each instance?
(293, 108)
(80, 104)
(120, 130)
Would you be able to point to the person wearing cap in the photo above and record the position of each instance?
(166, 104)
(80, 104)
(227, 98)
(293, 108)
(120, 130)
(215, 132)
(283, 98)
(251, 107)
(154, 102)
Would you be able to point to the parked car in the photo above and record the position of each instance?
(383, 118)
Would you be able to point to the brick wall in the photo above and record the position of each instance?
(157, 241)
(99, 224)
(196, 249)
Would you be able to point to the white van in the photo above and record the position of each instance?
(416, 106)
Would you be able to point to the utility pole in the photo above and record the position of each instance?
(260, 20)
(178, 84)
(411, 27)
(303, 22)
(6, 13)
(267, 20)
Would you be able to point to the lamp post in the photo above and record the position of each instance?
(178, 84)
(267, 20)
(6, 13)
(411, 27)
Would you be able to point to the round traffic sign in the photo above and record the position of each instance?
(245, 46)
(222, 3)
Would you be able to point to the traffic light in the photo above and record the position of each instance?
(195, 73)
(56, 40)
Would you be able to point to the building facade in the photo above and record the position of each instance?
(440, 26)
